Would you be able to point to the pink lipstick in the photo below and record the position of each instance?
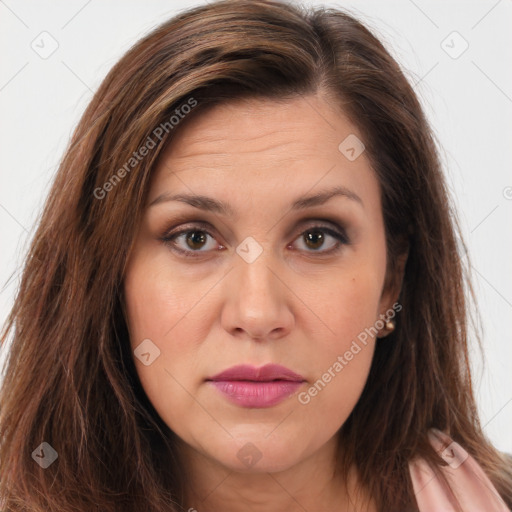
(249, 386)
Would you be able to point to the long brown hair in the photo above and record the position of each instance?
(70, 379)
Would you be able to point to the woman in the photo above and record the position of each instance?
(244, 292)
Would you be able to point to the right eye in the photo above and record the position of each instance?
(189, 241)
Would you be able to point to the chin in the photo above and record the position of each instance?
(259, 454)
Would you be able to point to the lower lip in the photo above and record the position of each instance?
(256, 394)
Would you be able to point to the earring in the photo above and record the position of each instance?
(390, 325)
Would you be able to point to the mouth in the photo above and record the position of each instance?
(251, 387)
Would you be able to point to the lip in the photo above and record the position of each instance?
(249, 386)
(266, 373)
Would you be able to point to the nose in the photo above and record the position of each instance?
(258, 301)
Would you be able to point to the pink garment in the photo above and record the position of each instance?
(469, 485)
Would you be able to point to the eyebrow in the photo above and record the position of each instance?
(214, 205)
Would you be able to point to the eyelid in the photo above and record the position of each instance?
(338, 232)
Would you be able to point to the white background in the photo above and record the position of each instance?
(468, 100)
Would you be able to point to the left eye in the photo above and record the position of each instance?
(196, 240)
(315, 237)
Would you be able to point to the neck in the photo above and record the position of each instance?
(311, 484)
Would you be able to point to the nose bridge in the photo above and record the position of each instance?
(254, 273)
(257, 304)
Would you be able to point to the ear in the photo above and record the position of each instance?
(122, 303)
(393, 283)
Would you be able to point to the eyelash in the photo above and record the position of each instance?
(169, 238)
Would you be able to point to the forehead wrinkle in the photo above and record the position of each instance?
(189, 150)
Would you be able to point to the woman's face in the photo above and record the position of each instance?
(244, 269)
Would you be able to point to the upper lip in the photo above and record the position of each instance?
(266, 373)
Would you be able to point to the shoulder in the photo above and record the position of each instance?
(469, 487)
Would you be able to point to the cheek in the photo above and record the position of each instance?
(349, 304)
(341, 362)
(160, 300)
(160, 308)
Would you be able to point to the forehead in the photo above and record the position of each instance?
(258, 126)
(265, 147)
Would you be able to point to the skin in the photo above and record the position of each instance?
(295, 305)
